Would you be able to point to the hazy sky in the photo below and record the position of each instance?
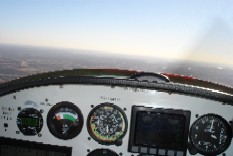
(183, 29)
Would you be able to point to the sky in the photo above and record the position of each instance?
(175, 29)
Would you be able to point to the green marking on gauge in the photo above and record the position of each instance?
(67, 116)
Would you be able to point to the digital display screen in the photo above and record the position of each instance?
(34, 122)
(159, 129)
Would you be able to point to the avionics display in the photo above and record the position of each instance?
(159, 131)
(30, 122)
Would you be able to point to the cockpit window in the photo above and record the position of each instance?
(192, 38)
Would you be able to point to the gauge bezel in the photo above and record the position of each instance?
(30, 111)
(227, 142)
(55, 109)
(94, 136)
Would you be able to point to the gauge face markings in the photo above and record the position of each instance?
(106, 123)
(29, 121)
(65, 120)
(210, 134)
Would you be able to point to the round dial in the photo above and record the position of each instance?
(107, 124)
(210, 134)
(102, 152)
(65, 120)
(29, 121)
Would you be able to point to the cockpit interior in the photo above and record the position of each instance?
(110, 112)
(116, 77)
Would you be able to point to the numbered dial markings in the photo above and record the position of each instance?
(210, 134)
(107, 124)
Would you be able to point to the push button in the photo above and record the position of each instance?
(134, 149)
(143, 150)
(162, 152)
(170, 153)
(179, 153)
(153, 151)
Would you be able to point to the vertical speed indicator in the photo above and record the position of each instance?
(107, 124)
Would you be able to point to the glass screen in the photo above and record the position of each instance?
(160, 129)
(30, 122)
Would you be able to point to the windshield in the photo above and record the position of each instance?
(192, 38)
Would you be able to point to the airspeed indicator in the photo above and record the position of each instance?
(107, 124)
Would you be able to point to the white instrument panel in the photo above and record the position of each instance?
(85, 97)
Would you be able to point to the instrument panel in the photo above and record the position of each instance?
(99, 120)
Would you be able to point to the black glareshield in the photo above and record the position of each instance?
(159, 131)
(10, 147)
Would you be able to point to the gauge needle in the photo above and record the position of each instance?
(213, 136)
(107, 130)
(67, 128)
(115, 119)
(211, 127)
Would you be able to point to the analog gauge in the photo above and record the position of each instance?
(65, 120)
(107, 124)
(29, 121)
(102, 152)
(210, 134)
